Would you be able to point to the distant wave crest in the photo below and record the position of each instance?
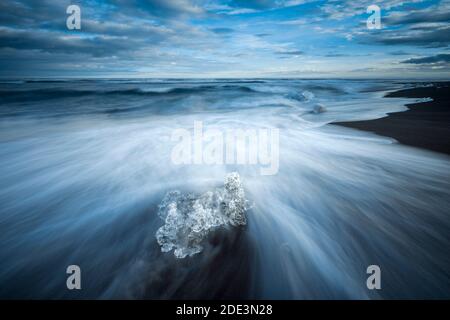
(52, 93)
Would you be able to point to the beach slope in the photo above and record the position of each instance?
(425, 125)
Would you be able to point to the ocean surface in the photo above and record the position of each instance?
(85, 172)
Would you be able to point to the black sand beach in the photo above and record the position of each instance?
(82, 184)
(425, 125)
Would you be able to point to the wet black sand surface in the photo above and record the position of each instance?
(425, 125)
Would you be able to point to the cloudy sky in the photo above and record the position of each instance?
(225, 38)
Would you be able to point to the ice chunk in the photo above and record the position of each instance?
(319, 108)
(189, 217)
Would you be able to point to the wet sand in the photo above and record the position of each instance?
(425, 125)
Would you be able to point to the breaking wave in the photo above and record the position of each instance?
(53, 94)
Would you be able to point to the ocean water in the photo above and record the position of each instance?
(86, 164)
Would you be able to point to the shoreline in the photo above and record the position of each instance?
(425, 125)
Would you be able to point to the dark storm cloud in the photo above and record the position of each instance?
(41, 25)
(434, 37)
(128, 28)
(52, 13)
(222, 30)
(439, 58)
(253, 4)
(290, 53)
(334, 55)
(265, 4)
(428, 16)
(183, 36)
(33, 13)
(158, 8)
(53, 43)
(399, 53)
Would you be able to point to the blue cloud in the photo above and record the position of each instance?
(439, 58)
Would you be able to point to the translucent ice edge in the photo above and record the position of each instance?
(189, 218)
